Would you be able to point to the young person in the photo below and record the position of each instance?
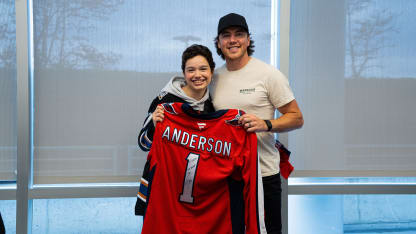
(259, 89)
(197, 68)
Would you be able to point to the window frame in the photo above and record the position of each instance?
(24, 191)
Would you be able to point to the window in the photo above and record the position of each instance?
(8, 213)
(94, 215)
(8, 92)
(364, 214)
(352, 72)
(98, 67)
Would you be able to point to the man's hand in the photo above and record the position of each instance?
(252, 123)
(291, 118)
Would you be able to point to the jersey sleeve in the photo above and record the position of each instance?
(253, 188)
(286, 167)
(146, 180)
(142, 195)
(145, 138)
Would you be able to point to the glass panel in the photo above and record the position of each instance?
(352, 70)
(98, 65)
(352, 180)
(8, 91)
(8, 213)
(93, 215)
(364, 214)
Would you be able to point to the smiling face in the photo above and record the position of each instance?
(198, 75)
(233, 43)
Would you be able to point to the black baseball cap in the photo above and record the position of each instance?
(230, 20)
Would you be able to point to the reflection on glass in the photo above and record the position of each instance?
(88, 215)
(358, 69)
(364, 214)
(8, 91)
(370, 26)
(379, 86)
(61, 33)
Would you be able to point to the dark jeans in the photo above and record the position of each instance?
(273, 203)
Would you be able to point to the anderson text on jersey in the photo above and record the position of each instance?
(194, 141)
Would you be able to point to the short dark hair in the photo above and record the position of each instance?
(250, 48)
(195, 50)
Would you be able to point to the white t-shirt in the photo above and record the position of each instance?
(257, 88)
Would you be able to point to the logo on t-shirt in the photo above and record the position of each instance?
(247, 91)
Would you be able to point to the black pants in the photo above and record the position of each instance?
(272, 187)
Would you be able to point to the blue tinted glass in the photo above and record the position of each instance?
(8, 213)
(351, 180)
(86, 215)
(363, 214)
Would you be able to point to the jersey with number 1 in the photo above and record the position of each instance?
(202, 175)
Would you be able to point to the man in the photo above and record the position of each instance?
(259, 89)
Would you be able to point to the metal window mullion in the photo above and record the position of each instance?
(7, 194)
(83, 192)
(283, 14)
(23, 202)
(274, 33)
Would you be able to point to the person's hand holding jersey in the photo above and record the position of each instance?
(158, 115)
(252, 123)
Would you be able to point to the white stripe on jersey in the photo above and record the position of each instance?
(260, 198)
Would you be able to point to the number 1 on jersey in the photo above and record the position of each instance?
(189, 178)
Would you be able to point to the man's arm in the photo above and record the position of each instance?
(290, 119)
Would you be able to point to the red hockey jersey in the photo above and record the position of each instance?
(199, 172)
